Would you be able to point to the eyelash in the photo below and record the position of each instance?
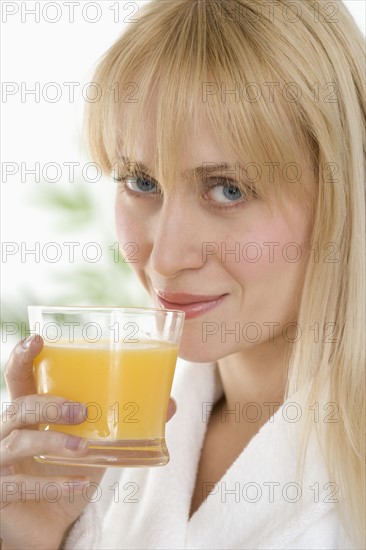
(227, 182)
(220, 181)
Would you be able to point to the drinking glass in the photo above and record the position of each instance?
(119, 363)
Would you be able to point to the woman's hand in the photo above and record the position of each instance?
(39, 501)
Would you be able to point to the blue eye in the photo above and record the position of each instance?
(140, 185)
(225, 193)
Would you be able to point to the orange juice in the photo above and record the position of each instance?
(126, 389)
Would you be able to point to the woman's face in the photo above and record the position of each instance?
(230, 263)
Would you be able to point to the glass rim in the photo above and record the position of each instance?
(104, 309)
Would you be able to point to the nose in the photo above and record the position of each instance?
(177, 237)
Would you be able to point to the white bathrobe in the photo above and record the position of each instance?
(257, 504)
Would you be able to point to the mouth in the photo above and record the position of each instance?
(192, 304)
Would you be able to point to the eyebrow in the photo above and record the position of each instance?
(204, 169)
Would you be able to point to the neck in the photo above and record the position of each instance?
(254, 383)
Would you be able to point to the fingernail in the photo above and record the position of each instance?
(73, 411)
(27, 342)
(74, 443)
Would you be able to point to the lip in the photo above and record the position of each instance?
(192, 304)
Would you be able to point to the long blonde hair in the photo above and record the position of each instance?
(252, 68)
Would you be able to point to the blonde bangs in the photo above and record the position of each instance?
(186, 66)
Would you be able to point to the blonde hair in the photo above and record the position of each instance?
(295, 67)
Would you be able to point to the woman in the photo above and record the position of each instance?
(235, 132)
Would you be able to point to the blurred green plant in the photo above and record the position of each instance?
(75, 209)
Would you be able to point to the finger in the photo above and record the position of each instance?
(18, 371)
(35, 409)
(20, 444)
(24, 488)
(172, 409)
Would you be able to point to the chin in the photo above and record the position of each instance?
(193, 349)
(198, 352)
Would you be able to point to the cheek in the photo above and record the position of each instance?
(271, 254)
(125, 229)
(131, 235)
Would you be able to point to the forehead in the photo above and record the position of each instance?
(201, 148)
(198, 147)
